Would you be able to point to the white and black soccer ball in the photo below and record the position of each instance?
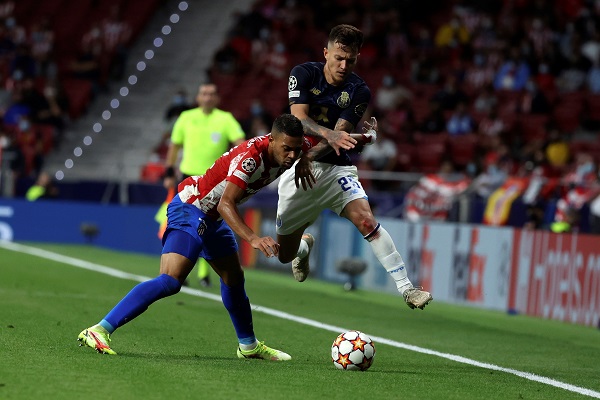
(352, 351)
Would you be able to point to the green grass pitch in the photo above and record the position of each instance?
(184, 346)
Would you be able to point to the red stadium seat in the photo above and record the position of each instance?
(463, 148)
(533, 127)
(429, 156)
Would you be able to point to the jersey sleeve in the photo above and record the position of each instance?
(234, 130)
(178, 131)
(358, 106)
(299, 85)
(242, 167)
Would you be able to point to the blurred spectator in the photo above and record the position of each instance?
(544, 77)
(391, 94)
(29, 140)
(179, 103)
(460, 121)
(573, 76)
(450, 95)
(513, 73)
(593, 79)
(11, 154)
(276, 62)
(490, 126)
(493, 176)
(43, 188)
(582, 187)
(380, 156)
(116, 33)
(23, 62)
(259, 122)
(424, 69)
(533, 100)
(486, 100)
(557, 150)
(42, 47)
(87, 65)
(434, 121)
(481, 74)
(453, 33)
(16, 110)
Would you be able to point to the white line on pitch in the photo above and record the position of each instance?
(306, 321)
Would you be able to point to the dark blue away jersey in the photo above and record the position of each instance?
(307, 85)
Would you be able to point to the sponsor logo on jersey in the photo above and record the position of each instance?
(292, 83)
(201, 227)
(249, 165)
(360, 109)
(344, 100)
(278, 221)
(315, 91)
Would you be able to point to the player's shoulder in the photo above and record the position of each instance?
(308, 68)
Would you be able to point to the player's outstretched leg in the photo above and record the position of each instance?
(97, 338)
(263, 352)
(300, 266)
(416, 297)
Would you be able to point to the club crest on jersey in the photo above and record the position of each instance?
(344, 100)
(278, 221)
(249, 165)
(292, 83)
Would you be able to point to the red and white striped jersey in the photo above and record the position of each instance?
(246, 165)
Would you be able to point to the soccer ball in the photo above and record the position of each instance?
(353, 351)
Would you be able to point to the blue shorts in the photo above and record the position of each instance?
(204, 237)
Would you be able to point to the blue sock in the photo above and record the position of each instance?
(238, 305)
(138, 300)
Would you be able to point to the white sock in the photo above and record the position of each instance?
(303, 249)
(247, 347)
(383, 246)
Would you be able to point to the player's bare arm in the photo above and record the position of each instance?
(304, 175)
(229, 211)
(337, 138)
(171, 159)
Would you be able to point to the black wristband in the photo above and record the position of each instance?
(170, 172)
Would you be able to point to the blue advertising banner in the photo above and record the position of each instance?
(129, 228)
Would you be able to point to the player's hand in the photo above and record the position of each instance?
(169, 182)
(370, 131)
(304, 174)
(268, 246)
(341, 140)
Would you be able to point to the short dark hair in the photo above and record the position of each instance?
(287, 124)
(347, 36)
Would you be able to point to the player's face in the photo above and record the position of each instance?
(339, 62)
(285, 149)
(207, 97)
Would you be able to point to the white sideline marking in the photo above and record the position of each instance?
(301, 320)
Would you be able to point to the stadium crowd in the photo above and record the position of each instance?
(47, 79)
(504, 94)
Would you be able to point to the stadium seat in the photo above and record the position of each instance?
(533, 127)
(79, 92)
(463, 148)
(429, 156)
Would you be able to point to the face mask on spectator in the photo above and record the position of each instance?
(24, 125)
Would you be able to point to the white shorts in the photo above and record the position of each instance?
(336, 186)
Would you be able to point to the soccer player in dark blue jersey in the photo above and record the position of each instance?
(330, 100)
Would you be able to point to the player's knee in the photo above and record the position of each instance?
(170, 284)
(366, 224)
